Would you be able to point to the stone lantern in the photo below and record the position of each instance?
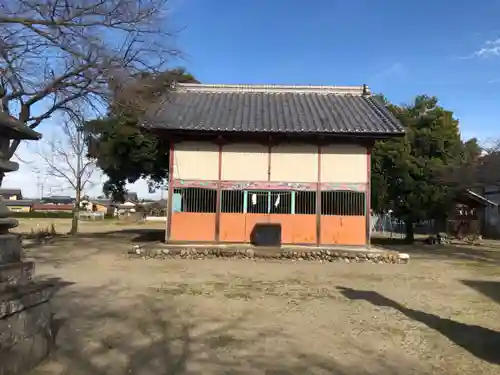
(25, 314)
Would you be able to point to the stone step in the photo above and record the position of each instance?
(23, 297)
(10, 248)
(14, 274)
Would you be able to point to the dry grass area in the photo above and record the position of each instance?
(440, 314)
(63, 226)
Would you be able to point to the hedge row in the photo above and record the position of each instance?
(47, 215)
(41, 215)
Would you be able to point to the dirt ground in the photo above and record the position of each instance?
(439, 314)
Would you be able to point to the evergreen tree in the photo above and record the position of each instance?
(407, 172)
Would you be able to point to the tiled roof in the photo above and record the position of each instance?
(10, 191)
(56, 199)
(103, 202)
(273, 109)
(479, 198)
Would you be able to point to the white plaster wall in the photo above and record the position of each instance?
(344, 163)
(245, 162)
(294, 163)
(196, 161)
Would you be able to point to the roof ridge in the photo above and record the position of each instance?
(339, 90)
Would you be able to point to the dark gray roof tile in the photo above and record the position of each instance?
(274, 109)
(7, 192)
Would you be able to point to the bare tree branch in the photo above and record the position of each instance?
(55, 53)
(65, 158)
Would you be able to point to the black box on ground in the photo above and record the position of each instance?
(266, 234)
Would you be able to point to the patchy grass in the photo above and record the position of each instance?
(486, 253)
(248, 289)
(41, 232)
(26, 225)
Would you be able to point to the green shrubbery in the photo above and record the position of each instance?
(50, 215)
(42, 215)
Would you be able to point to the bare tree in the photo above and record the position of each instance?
(65, 159)
(54, 53)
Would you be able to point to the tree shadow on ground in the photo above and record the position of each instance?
(469, 253)
(481, 342)
(134, 234)
(490, 289)
(61, 250)
(65, 249)
(149, 335)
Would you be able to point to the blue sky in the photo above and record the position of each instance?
(401, 48)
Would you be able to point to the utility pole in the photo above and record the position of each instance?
(42, 188)
(38, 185)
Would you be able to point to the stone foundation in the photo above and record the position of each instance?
(325, 255)
(25, 313)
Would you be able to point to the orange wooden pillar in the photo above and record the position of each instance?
(368, 192)
(318, 200)
(218, 194)
(168, 229)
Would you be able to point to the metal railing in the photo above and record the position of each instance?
(388, 226)
(336, 203)
(86, 215)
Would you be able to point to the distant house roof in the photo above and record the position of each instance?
(58, 199)
(479, 198)
(9, 192)
(102, 202)
(131, 196)
(320, 110)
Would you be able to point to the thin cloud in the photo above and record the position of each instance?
(490, 48)
(395, 70)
